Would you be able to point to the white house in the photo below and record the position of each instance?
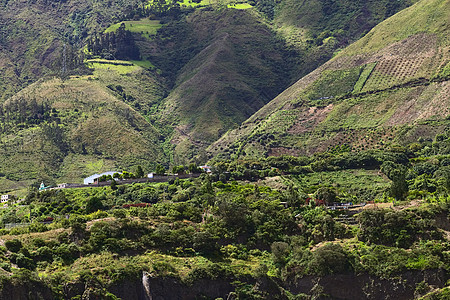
(206, 168)
(92, 178)
(6, 198)
(150, 175)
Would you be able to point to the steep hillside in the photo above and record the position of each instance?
(226, 64)
(71, 129)
(237, 66)
(318, 28)
(222, 64)
(392, 86)
(344, 19)
(32, 34)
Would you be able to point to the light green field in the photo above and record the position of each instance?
(193, 4)
(231, 4)
(144, 26)
(429, 16)
(143, 63)
(121, 67)
(240, 6)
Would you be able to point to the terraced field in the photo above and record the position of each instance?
(380, 97)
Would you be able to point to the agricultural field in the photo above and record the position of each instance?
(120, 66)
(356, 186)
(146, 27)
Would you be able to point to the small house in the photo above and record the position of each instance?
(206, 168)
(94, 178)
(6, 198)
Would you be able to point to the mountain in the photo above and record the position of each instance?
(390, 87)
(226, 64)
(199, 73)
(32, 35)
(239, 65)
(73, 128)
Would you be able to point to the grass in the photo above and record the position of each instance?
(334, 83)
(430, 16)
(143, 64)
(231, 4)
(240, 6)
(368, 184)
(190, 3)
(146, 27)
(121, 67)
(365, 74)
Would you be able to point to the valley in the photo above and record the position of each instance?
(321, 128)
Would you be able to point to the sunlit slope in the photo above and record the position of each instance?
(389, 87)
(32, 35)
(70, 129)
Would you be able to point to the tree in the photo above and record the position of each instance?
(93, 205)
(78, 226)
(329, 259)
(193, 169)
(13, 245)
(326, 194)
(113, 185)
(139, 172)
(160, 170)
(280, 252)
(399, 186)
(178, 169)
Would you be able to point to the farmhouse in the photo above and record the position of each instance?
(91, 179)
(6, 198)
(206, 168)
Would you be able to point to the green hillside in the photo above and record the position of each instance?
(394, 92)
(333, 182)
(238, 66)
(225, 65)
(32, 35)
(244, 55)
(71, 129)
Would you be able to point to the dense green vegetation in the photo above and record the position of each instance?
(217, 227)
(343, 180)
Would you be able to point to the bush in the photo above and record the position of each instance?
(24, 262)
(44, 253)
(13, 245)
(93, 205)
(280, 252)
(329, 259)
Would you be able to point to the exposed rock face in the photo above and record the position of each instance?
(340, 286)
(365, 286)
(25, 290)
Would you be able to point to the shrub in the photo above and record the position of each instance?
(13, 245)
(329, 259)
(24, 262)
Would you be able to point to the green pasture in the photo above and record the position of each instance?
(121, 67)
(144, 26)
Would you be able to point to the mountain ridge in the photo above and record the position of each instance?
(421, 57)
